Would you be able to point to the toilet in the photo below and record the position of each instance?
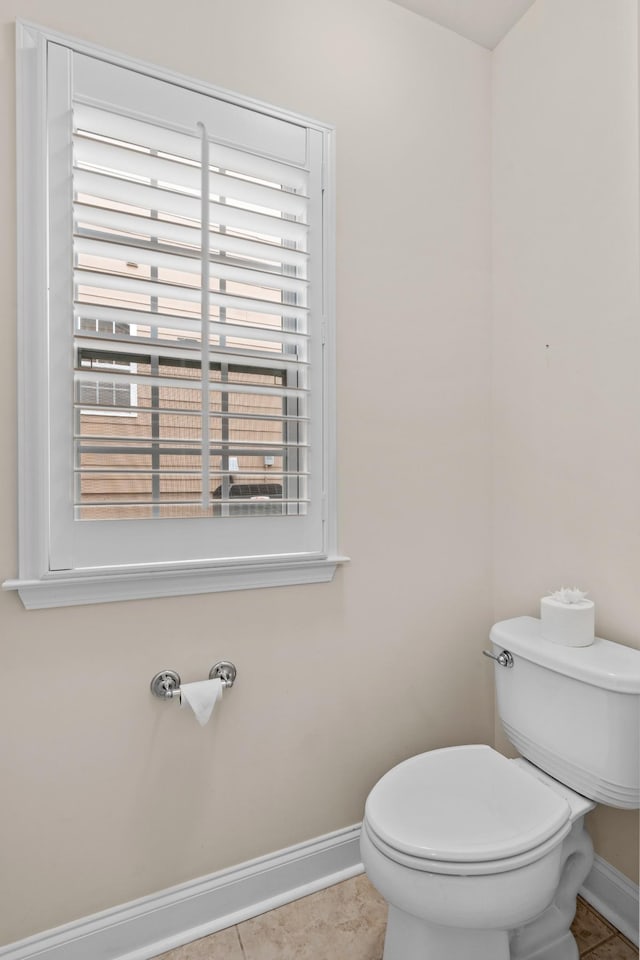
(481, 857)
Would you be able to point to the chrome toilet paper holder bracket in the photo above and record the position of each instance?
(166, 683)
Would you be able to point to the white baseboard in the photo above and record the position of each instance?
(614, 896)
(147, 927)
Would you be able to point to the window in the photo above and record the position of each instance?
(100, 397)
(185, 440)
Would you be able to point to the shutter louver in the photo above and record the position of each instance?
(144, 445)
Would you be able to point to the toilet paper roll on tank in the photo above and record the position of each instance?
(568, 618)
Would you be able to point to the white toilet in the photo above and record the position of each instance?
(480, 857)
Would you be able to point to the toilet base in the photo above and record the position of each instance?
(548, 936)
(414, 939)
(564, 948)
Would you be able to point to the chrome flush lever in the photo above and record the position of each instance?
(504, 658)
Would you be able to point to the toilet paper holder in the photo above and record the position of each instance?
(166, 683)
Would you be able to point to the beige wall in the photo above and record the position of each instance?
(566, 336)
(109, 794)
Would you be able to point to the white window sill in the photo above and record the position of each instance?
(67, 589)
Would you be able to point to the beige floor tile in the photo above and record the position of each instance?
(224, 945)
(347, 922)
(589, 928)
(614, 949)
(344, 922)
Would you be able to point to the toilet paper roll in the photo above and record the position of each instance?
(201, 697)
(569, 624)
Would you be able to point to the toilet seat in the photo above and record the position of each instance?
(470, 868)
(464, 810)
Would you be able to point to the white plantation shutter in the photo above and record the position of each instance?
(142, 278)
(189, 230)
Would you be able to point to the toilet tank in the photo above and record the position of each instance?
(572, 711)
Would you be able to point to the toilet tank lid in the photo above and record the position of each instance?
(602, 664)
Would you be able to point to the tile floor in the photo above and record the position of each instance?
(597, 939)
(346, 922)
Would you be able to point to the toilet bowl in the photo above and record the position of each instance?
(466, 847)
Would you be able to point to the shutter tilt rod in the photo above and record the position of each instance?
(204, 309)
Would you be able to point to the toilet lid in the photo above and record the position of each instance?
(463, 804)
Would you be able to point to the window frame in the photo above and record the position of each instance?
(37, 584)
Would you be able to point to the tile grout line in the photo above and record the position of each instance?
(237, 930)
(595, 946)
(615, 936)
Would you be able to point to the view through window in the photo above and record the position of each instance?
(139, 403)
